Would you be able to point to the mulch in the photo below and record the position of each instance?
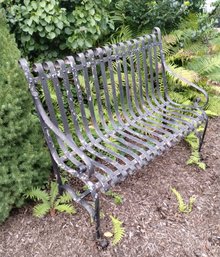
(153, 225)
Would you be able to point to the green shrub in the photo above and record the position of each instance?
(142, 14)
(50, 27)
(23, 161)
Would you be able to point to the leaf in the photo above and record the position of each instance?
(43, 4)
(53, 193)
(189, 75)
(191, 202)
(48, 19)
(49, 28)
(65, 198)
(118, 230)
(202, 165)
(29, 22)
(66, 208)
(68, 31)
(34, 5)
(41, 209)
(38, 194)
(97, 17)
(60, 25)
(26, 2)
(182, 205)
(211, 113)
(193, 141)
(52, 35)
(117, 198)
(92, 11)
(187, 208)
(108, 234)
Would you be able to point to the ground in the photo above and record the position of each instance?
(153, 225)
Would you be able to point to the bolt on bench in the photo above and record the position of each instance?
(107, 112)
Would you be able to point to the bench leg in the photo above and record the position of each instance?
(201, 137)
(56, 171)
(101, 242)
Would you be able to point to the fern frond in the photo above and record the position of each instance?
(181, 205)
(192, 199)
(191, 21)
(195, 159)
(41, 209)
(170, 39)
(215, 45)
(187, 208)
(124, 33)
(196, 48)
(193, 141)
(38, 194)
(214, 104)
(214, 76)
(117, 198)
(53, 193)
(190, 75)
(205, 65)
(118, 230)
(64, 198)
(66, 208)
(211, 114)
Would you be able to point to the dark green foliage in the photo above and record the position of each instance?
(142, 14)
(52, 27)
(23, 161)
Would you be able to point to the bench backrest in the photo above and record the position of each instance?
(92, 91)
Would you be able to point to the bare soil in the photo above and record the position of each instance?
(153, 225)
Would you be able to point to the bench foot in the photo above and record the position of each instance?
(100, 241)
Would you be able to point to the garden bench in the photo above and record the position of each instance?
(107, 112)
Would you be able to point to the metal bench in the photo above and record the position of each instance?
(107, 112)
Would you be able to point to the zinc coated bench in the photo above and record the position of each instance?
(107, 112)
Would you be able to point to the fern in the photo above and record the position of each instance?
(65, 208)
(193, 141)
(38, 194)
(195, 159)
(50, 202)
(214, 105)
(117, 198)
(184, 208)
(124, 33)
(118, 230)
(206, 65)
(64, 198)
(41, 209)
(185, 73)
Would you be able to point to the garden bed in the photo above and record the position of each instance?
(153, 225)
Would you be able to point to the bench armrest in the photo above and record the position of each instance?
(61, 135)
(201, 90)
